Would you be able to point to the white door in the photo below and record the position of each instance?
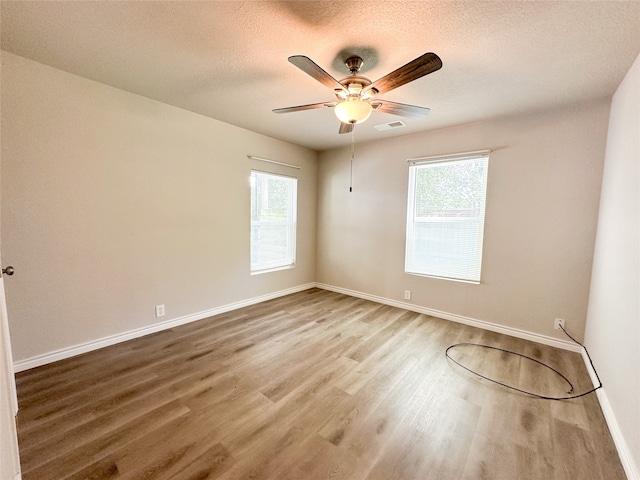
(9, 457)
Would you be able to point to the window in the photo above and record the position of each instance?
(273, 222)
(445, 216)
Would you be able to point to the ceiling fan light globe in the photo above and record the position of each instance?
(353, 111)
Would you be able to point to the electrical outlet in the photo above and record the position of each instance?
(407, 294)
(159, 311)
(558, 322)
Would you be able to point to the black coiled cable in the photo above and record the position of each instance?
(534, 360)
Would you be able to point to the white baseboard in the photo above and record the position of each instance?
(74, 350)
(473, 322)
(624, 452)
(623, 449)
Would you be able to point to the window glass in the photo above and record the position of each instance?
(445, 218)
(273, 221)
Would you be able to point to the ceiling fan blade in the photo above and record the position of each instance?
(310, 67)
(410, 111)
(345, 127)
(421, 66)
(299, 108)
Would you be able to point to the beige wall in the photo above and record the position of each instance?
(113, 203)
(613, 325)
(542, 203)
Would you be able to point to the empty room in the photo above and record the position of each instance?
(320, 240)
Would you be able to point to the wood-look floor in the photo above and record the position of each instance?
(314, 385)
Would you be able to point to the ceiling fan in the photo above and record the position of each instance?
(357, 95)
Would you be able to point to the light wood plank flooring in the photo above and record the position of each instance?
(314, 385)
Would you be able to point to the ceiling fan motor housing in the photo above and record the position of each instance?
(354, 85)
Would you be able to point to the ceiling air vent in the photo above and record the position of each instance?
(390, 125)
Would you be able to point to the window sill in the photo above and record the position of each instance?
(274, 269)
(472, 282)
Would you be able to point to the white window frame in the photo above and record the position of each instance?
(468, 270)
(289, 259)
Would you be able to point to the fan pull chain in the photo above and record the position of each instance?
(353, 150)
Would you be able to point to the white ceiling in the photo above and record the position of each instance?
(228, 59)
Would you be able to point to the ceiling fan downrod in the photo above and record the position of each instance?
(354, 64)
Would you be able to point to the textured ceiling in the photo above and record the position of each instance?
(228, 60)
